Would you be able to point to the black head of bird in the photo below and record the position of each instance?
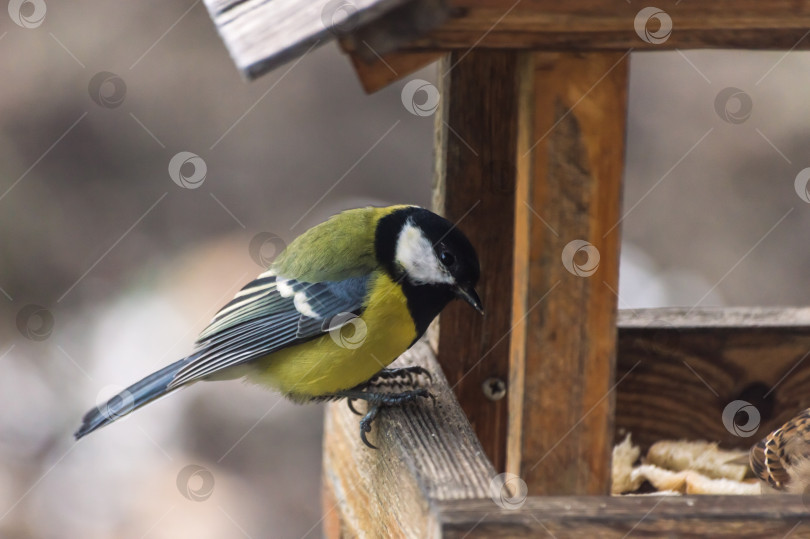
(431, 258)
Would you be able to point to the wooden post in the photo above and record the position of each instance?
(563, 347)
(478, 135)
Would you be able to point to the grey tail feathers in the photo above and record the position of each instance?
(138, 394)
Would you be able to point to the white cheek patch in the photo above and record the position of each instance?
(416, 255)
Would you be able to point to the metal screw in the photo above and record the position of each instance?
(494, 388)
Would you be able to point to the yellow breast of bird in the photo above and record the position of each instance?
(346, 356)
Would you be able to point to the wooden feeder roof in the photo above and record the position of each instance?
(264, 34)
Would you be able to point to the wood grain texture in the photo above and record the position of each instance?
(764, 517)
(609, 25)
(680, 370)
(479, 125)
(396, 28)
(428, 454)
(264, 34)
(431, 478)
(379, 73)
(564, 342)
(745, 318)
(373, 48)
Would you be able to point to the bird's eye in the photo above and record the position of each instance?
(447, 258)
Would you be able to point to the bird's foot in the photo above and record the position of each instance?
(379, 400)
(404, 377)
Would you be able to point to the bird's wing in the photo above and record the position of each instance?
(269, 314)
(767, 464)
(776, 458)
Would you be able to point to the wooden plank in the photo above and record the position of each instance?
(564, 303)
(599, 25)
(478, 130)
(680, 370)
(379, 73)
(743, 318)
(263, 34)
(395, 28)
(763, 517)
(430, 477)
(373, 48)
(427, 454)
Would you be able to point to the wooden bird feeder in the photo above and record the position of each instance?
(530, 148)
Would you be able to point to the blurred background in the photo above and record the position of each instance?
(110, 267)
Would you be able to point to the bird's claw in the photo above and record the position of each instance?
(377, 401)
(350, 403)
(365, 425)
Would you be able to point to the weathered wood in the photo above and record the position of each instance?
(680, 370)
(478, 124)
(583, 517)
(373, 48)
(710, 318)
(427, 454)
(263, 34)
(379, 73)
(395, 29)
(564, 304)
(430, 477)
(599, 25)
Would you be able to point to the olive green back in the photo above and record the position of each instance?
(336, 249)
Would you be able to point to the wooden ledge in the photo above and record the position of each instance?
(744, 318)
(639, 516)
(430, 477)
(428, 454)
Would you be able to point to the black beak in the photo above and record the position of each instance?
(468, 294)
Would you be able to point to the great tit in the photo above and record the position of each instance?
(386, 271)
